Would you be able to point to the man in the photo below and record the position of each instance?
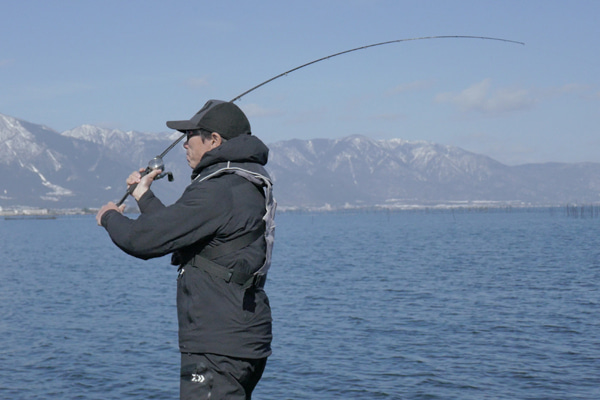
(220, 234)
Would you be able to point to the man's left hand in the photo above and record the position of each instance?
(105, 208)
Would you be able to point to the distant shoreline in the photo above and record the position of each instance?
(570, 209)
(41, 213)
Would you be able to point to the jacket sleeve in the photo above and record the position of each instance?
(149, 203)
(160, 230)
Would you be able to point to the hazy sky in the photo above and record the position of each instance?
(133, 65)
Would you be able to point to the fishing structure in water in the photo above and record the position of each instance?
(157, 162)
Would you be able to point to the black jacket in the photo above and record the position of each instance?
(214, 316)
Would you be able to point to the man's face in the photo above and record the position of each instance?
(195, 148)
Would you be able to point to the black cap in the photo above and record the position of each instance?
(219, 116)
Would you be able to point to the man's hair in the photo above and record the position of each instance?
(207, 135)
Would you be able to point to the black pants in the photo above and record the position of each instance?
(215, 377)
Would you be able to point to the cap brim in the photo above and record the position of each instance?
(182, 125)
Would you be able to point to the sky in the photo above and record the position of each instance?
(133, 65)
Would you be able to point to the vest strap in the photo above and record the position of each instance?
(233, 245)
(228, 275)
(203, 260)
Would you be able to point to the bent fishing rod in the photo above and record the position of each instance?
(157, 162)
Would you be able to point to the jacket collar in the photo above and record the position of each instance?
(244, 148)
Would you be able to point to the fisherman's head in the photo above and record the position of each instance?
(215, 123)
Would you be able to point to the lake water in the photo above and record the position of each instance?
(501, 304)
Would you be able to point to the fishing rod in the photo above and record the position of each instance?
(157, 162)
(366, 47)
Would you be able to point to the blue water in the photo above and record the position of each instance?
(405, 305)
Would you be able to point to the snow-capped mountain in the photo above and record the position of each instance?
(114, 139)
(358, 171)
(84, 167)
(87, 166)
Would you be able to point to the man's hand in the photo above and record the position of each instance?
(105, 208)
(143, 182)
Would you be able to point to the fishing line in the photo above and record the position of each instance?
(157, 163)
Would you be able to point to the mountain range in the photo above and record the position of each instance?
(87, 166)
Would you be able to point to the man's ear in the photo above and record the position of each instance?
(216, 140)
